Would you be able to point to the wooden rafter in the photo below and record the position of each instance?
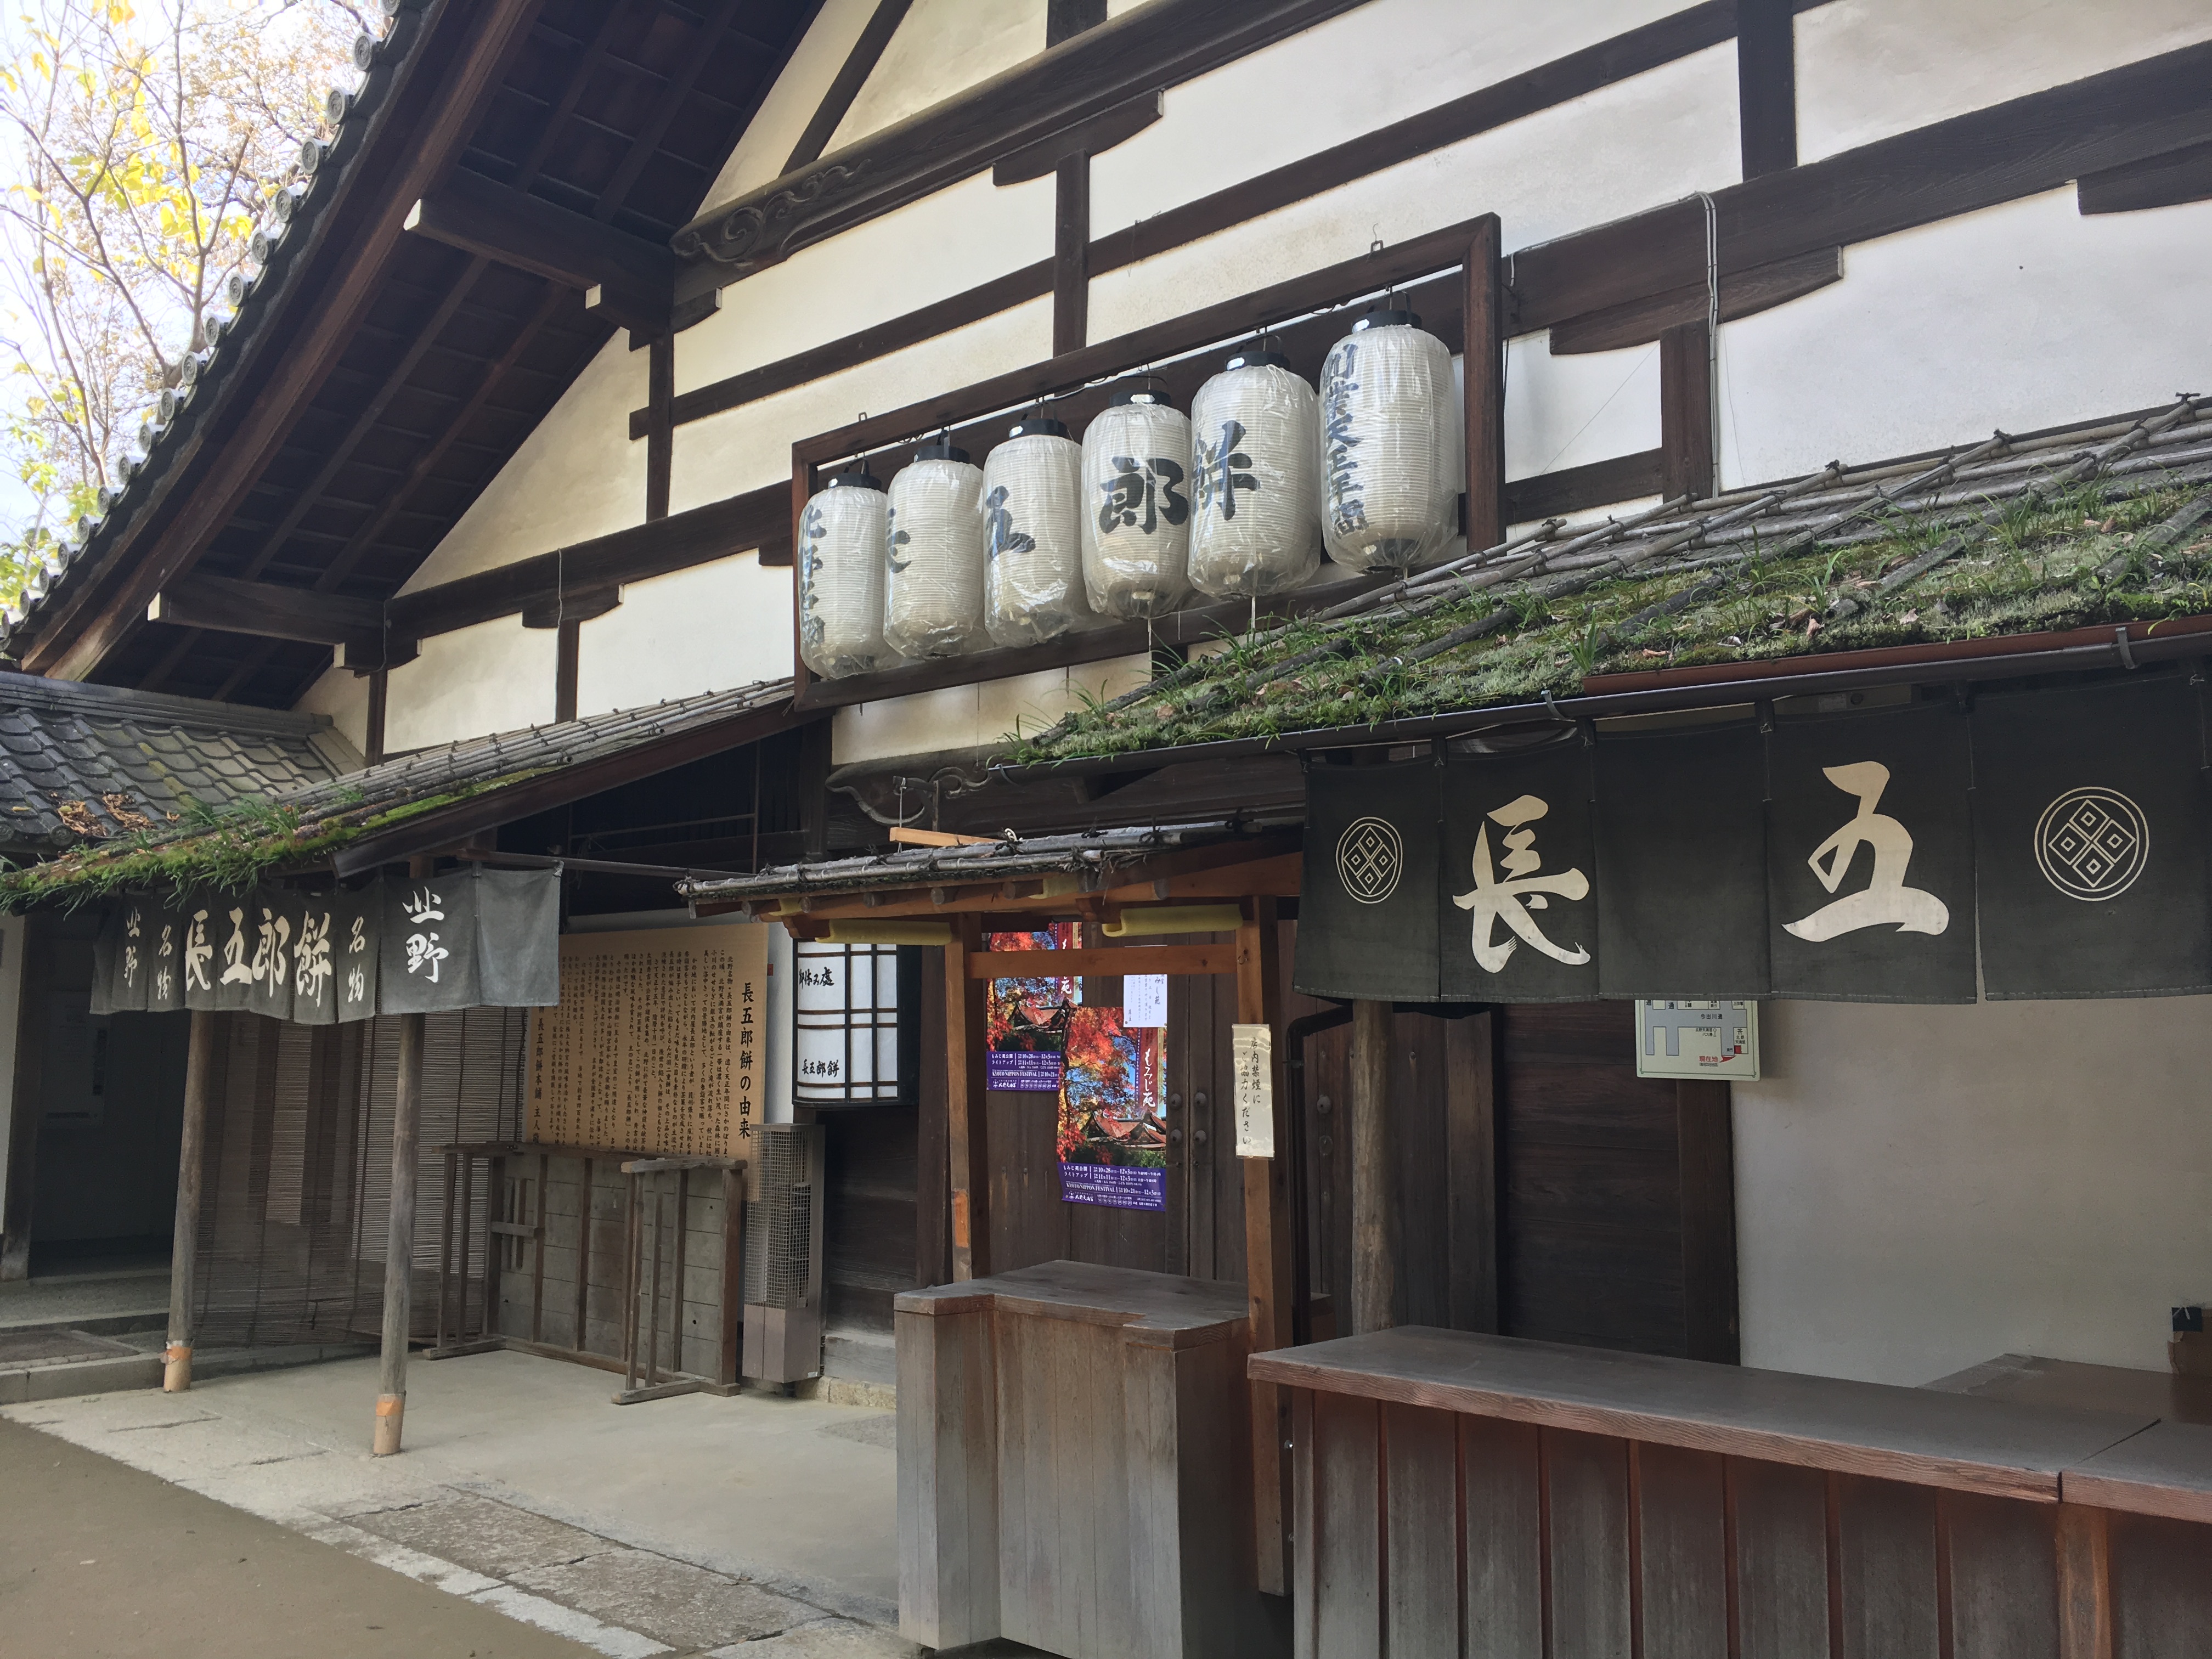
(629, 276)
(852, 74)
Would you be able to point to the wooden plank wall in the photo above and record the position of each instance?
(1533, 1543)
(548, 1314)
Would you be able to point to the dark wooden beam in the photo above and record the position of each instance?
(1160, 44)
(660, 431)
(1092, 138)
(380, 703)
(1573, 489)
(631, 276)
(567, 654)
(1743, 293)
(852, 74)
(2167, 180)
(230, 606)
(2019, 148)
(1664, 41)
(1685, 412)
(1071, 255)
(1767, 84)
(442, 87)
(675, 543)
(1065, 19)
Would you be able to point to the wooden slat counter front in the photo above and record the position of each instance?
(1504, 1499)
(1074, 1455)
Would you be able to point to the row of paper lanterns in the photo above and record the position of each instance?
(1241, 497)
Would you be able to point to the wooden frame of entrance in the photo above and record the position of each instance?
(1257, 873)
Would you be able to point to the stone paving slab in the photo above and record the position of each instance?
(497, 1539)
(672, 1601)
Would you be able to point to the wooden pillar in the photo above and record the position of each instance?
(1705, 1131)
(966, 1143)
(1375, 1222)
(568, 656)
(1485, 390)
(379, 691)
(200, 1062)
(1268, 1270)
(399, 1235)
(1685, 410)
(2084, 1583)
(1767, 84)
(1471, 1157)
(660, 423)
(1071, 255)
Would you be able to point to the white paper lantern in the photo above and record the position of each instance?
(1136, 507)
(1255, 524)
(1033, 534)
(841, 577)
(1389, 444)
(933, 592)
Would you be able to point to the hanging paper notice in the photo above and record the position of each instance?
(1143, 1000)
(1253, 1052)
(1113, 1120)
(1026, 1020)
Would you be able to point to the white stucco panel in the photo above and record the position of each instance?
(576, 476)
(495, 676)
(712, 628)
(941, 48)
(944, 244)
(1358, 71)
(1569, 411)
(1921, 1188)
(1870, 69)
(1620, 149)
(971, 716)
(778, 124)
(746, 447)
(343, 695)
(2022, 316)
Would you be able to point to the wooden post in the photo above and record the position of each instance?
(1268, 1271)
(1373, 1171)
(967, 1152)
(399, 1238)
(1685, 410)
(1471, 1139)
(2084, 1583)
(1485, 392)
(1704, 1124)
(199, 1085)
(733, 1277)
(1071, 255)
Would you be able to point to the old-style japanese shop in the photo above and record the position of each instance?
(1415, 793)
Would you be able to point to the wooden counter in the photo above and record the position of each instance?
(1482, 1495)
(1074, 1448)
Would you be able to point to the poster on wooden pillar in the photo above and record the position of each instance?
(660, 1044)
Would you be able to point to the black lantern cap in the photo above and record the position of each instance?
(941, 452)
(1387, 320)
(1043, 426)
(852, 481)
(1258, 360)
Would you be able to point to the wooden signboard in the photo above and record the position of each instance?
(660, 1044)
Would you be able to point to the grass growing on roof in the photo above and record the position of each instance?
(2040, 567)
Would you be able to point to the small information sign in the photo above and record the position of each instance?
(1252, 1050)
(1697, 1039)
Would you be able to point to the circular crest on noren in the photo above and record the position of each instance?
(1370, 857)
(2090, 844)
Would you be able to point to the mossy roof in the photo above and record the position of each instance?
(2065, 560)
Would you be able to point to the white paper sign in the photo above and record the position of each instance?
(1144, 1001)
(1252, 1048)
(1697, 1039)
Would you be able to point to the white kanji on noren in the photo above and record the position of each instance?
(1510, 901)
(1885, 899)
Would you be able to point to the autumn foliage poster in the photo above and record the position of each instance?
(1112, 1142)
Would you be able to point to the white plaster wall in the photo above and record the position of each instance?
(712, 628)
(1870, 69)
(970, 716)
(941, 48)
(495, 676)
(1363, 70)
(2022, 316)
(343, 695)
(941, 244)
(777, 124)
(745, 447)
(577, 475)
(1568, 412)
(1620, 149)
(1919, 1189)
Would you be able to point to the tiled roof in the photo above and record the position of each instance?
(2106, 523)
(80, 763)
